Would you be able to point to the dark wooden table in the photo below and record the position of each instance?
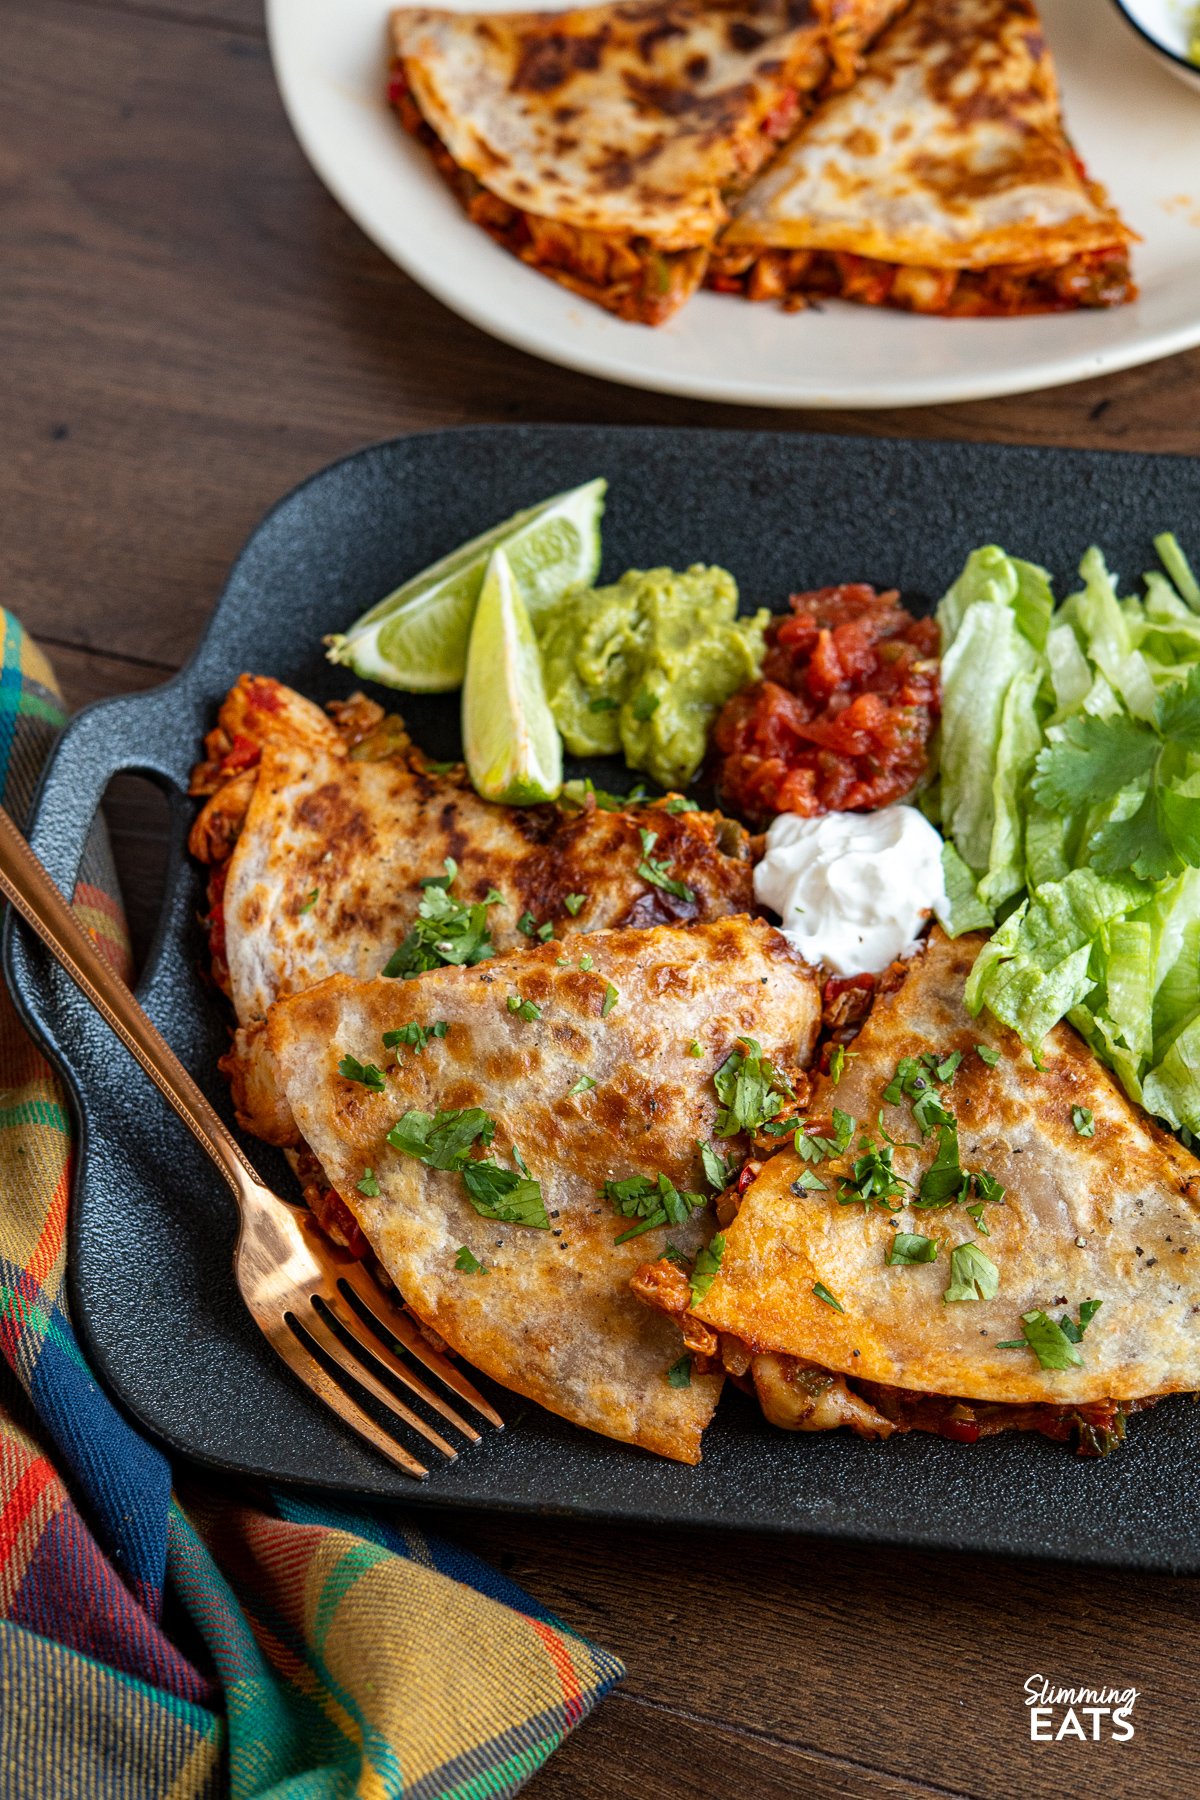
(189, 326)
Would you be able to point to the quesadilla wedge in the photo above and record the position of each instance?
(328, 836)
(844, 1280)
(556, 1071)
(599, 145)
(942, 182)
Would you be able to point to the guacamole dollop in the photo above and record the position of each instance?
(643, 667)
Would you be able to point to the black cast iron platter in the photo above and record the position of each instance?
(151, 1225)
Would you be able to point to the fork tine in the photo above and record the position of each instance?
(390, 1319)
(304, 1365)
(357, 1369)
(353, 1326)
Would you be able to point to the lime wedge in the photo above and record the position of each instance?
(416, 638)
(511, 743)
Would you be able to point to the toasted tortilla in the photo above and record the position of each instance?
(949, 155)
(553, 1316)
(1114, 1216)
(334, 826)
(605, 133)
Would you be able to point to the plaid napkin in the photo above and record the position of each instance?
(202, 1642)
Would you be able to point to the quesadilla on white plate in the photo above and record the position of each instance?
(511, 1137)
(600, 145)
(328, 839)
(942, 182)
(970, 1243)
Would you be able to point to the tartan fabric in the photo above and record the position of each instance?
(212, 1641)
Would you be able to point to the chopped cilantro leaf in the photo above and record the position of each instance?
(677, 804)
(975, 1213)
(652, 1200)
(987, 1187)
(1087, 1312)
(1083, 1121)
(680, 1373)
(872, 1178)
(1048, 1341)
(441, 1140)
(584, 1085)
(987, 1054)
(368, 1184)
(575, 904)
(809, 1182)
(695, 1048)
(823, 1293)
(704, 1269)
(415, 1036)
(673, 1253)
(945, 1180)
(973, 1276)
(578, 793)
(440, 768)
(611, 996)
(310, 901)
(524, 1009)
(586, 965)
(496, 1193)
(645, 705)
(469, 1263)
(814, 1146)
(365, 1073)
(837, 1064)
(445, 930)
(603, 703)
(908, 1247)
(718, 1172)
(527, 925)
(657, 870)
(744, 1088)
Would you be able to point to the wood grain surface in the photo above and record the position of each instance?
(190, 325)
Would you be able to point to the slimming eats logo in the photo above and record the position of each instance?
(1056, 1713)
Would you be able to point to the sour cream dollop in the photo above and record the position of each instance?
(853, 890)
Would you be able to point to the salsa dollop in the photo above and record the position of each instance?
(842, 717)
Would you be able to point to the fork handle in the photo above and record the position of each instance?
(25, 882)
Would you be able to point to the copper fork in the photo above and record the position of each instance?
(296, 1284)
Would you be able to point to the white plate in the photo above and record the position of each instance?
(1137, 129)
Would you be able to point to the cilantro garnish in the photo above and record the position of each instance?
(530, 928)
(578, 793)
(466, 1261)
(814, 1147)
(575, 904)
(677, 804)
(809, 1182)
(909, 1247)
(987, 1054)
(1083, 1121)
(645, 705)
(973, 1276)
(823, 1293)
(415, 1036)
(680, 1374)
(445, 930)
(672, 1253)
(704, 1269)
(445, 1141)
(611, 996)
(744, 1088)
(652, 1200)
(914, 1081)
(1054, 1343)
(1094, 759)
(657, 870)
(584, 1085)
(603, 703)
(368, 1184)
(310, 902)
(366, 1073)
(837, 1064)
(524, 1009)
(695, 1048)
(718, 1170)
(945, 1180)
(872, 1178)
(586, 964)
(988, 1189)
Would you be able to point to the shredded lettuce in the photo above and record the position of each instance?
(1069, 798)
